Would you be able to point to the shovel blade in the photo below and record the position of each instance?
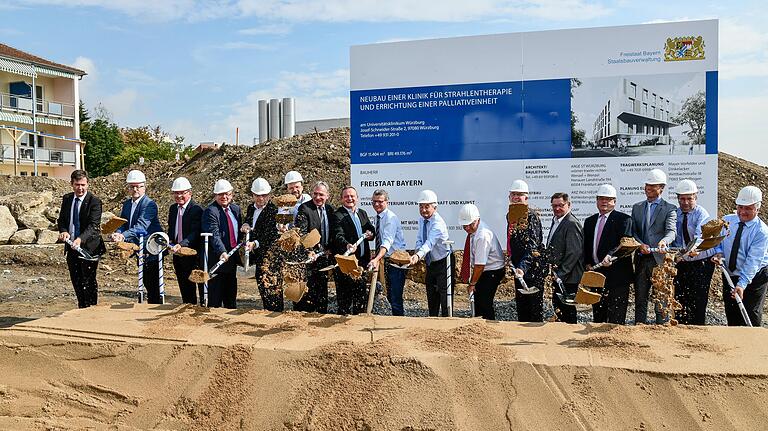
(529, 290)
(593, 279)
(199, 276)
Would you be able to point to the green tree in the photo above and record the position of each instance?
(103, 141)
(577, 135)
(694, 115)
(151, 143)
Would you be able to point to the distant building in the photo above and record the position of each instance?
(309, 126)
(634, 115)
(39, 116)
(207, 146)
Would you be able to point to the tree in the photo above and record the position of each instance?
(103, 142)
(694, 115)
(151, 143)
(577, 135)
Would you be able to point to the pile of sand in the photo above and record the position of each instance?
(143, 367)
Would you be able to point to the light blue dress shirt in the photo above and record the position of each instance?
(696, 218)
(436, 235)
(753, 248)
(390, 231)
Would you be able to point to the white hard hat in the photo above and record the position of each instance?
(180, 184)
(222, 186)
(468, 214)
(427, 197)
(656, 176)
(293, 177)
(519, 186)
(607, 191)
(749, 195)
(686, 187)
(260, 186)
(135, 176)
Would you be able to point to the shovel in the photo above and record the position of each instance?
(563, 295)
(83, 253)
(589, 280)
(472, 304)
(346, 253)
(372, 290)
(740, 303)
(525, 290)
(200, 276)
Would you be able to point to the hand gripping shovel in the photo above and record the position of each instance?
(83, 253)
(525, 290)
(738, 298)
(346, 253)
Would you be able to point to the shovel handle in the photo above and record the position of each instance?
(739, 302)
(229, 254)
(600, 264)
(358, 242)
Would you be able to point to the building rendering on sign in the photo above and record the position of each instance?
(634, 115)
(39, 121)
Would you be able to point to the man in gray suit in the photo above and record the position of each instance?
(654, 224)
(565, 249)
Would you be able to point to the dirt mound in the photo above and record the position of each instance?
(733, 173)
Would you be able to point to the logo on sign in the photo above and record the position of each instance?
(684, 48)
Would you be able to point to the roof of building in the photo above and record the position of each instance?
(7, 51)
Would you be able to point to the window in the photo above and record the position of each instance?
(44, 174)
(645, 109)
(23, 173)
(39, 97)
(645, 95)
(633, 90)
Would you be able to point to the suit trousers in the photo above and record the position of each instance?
(530, 308)
(83, 275)
(222, 290)
(316, 298)
(152, 280)
(270, 285)
(644, 265)
(485, 291)
(612, 307)
(395, 286)
(351, 293)
(564, 312)
(754, 299)
(692, 290)
(436, 283)
(182, 267)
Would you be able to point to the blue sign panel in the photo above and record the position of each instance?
(490, 121)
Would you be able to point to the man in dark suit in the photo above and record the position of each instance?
(565, 245)
(654, 223)
(316, 214)
(260, 221)
(141, 213)
(79, 221)
(602, 233)
(351, 223)
(184, 223)
(222, 219)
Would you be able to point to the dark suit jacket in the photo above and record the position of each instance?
(617, 226)
(307, 219)
(191, 223)
(663, 225)
(90, 222)
(215, 222)
(566, 247)
(344, 233)
(264, 231)
(144, 218)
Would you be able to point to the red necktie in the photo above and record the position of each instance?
(232, 240)
(464, 275)
(179, 215)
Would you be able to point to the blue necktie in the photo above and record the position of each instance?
(427, 257)
(76, 218)
(359, 231)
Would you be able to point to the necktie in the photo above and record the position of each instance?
(466, 261)
(378, 232)
(686, 235)
(735, 247)
(76, 218)
(232, 238)
(179, 215)
(359, 230)
(323, 225)
(427, 257)
(598, 235)
(551, 230)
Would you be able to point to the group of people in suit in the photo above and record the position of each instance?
(569, 249)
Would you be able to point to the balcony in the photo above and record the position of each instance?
(43, 108)
(50, 156)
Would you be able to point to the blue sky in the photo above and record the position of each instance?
(197, 68)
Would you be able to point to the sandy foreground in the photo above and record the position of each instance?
(136, 366)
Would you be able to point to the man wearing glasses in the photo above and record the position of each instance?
(141, 213)
(389, 238)
(184, 220)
